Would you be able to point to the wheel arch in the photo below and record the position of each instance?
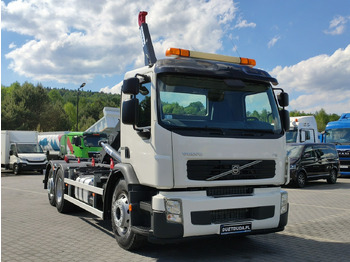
(120, 171)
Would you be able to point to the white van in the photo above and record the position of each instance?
(20, 151)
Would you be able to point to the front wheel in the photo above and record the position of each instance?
(121, 224)
(301, 180)
(332, 179)
(15, 169)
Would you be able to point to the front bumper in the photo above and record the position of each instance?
(204, 216)
(31, 167)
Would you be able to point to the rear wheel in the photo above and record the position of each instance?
(121, 225)
(301, 180)
(63, 206)
(50, 185)
(332, 179)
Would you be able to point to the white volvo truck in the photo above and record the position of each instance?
(200, 151)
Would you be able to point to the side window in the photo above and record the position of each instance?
(307, 135)
(144, 97)
(329, 153)
(258, 108)
(309, 152)
(319, 152)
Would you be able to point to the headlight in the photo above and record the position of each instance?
(284, 202)
(293, 166)
(173, 210)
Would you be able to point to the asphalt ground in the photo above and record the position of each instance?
(31, 230)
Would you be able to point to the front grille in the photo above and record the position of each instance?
(345, 162)
(205, 169)
(344, 165)
(231, 215)
(344, 153)
(35, 161)
(230, 191)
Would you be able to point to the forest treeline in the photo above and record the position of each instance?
(29, 107)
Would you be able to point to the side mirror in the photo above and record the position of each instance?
(283, 99)
(284, 115)
(131, 86)
(77, 141)
(129, 112)
(307, 155)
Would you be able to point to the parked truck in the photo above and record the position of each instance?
(190, 158)
(338, 133)
(71, 144)
(50, 143)
(303, 129)
(20, 151)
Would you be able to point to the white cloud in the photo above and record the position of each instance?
(337, 25)
(241, 23)
(114, 90)
(72, 40)
(273, 41)
(12, 45)
(322, 80)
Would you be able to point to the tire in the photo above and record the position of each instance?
(63, 206)
(120, 214)
(50, 185)
(301, 180)
(332, 179)
(15, 169)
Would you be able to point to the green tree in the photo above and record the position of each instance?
(55, 96)
(29, 107)
(71, 112)
(24, 107)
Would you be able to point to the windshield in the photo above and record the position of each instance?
(188, 102)
(338, 136)
(294, 151)
(93, 140)
(291, 136)
(29, 148)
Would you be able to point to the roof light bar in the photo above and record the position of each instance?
(176, 52)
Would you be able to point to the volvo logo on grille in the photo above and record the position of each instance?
(236, 170)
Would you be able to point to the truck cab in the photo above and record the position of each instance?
(338, 133)
(81, 144)
(196, 130)
(303, 129)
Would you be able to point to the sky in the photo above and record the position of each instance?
(61, 44)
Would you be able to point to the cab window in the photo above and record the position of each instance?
(144, 110)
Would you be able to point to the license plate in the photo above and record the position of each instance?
(235, 229)
(343, 166)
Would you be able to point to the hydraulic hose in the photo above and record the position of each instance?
(111, 151)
